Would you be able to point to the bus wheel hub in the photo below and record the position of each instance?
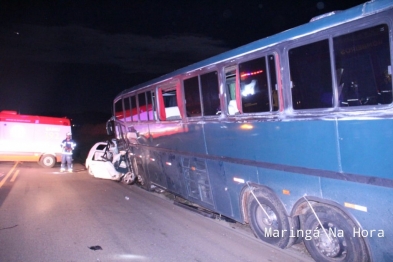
(327, 244)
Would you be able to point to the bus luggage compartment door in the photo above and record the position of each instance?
(197, 180)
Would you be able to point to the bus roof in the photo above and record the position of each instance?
(13, 116)
(335, 18)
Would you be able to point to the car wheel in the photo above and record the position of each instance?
(90, 171)
(128, 178)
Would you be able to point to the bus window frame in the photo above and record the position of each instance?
(174, 85)
(217, 71)
(127, 100)
(122, 109)
(227, 69)
(204, 73)
(152, 109)
(259, 54)
(138, 105)
(183, 89)
(145, 92)
(308, 41)
(330, 34)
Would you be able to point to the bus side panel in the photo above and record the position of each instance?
(155, 168)
(177, 136)
(290, 187)
(367, 147)
(197, 181)
(237, 175)
(173, 173)
(143, 132)
(180, 174)
(219, 183)
(310, 144)
(373, 211)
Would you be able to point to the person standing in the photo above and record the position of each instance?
(67, 145)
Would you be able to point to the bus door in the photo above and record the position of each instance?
(203, 109)
(165, 132)
(147, 119)
(118, 126)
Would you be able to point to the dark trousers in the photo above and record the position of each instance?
(66, 159)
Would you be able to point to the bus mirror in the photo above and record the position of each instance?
(110, 127)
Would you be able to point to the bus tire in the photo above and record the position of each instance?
(47, 161)
(273, 231)
(342, 246)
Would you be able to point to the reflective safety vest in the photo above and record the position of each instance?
(67, 146)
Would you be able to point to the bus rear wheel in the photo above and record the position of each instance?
(268, 219)
(334, 240)
(47, 161)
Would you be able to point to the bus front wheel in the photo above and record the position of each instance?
(268, 219)
(331, 238)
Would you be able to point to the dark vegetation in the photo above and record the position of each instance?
(85, 137)
(88, 128)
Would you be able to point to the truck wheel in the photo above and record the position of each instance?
(47, 161)
(274, 228)
(335, 241)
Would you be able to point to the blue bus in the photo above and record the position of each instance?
(291, 134)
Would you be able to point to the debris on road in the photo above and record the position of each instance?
(95, 248)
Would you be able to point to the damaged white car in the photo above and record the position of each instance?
(104, 161)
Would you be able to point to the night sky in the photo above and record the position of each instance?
(73, 57)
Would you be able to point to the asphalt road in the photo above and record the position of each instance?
(50, 216)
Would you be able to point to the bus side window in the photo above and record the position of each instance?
(142, 107)
(134, 112)
(311, 76)
(210, 94)
(127, 109)
(118, 107)
(149, 105)
(254, 86)
(172, 111)
(192, 96)
(230, 84)
(257, 91)
(274, 103)
(363, 67)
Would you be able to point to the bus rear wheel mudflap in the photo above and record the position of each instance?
(334, 240)
(47, 161)
(268, 219)
(141, 176)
